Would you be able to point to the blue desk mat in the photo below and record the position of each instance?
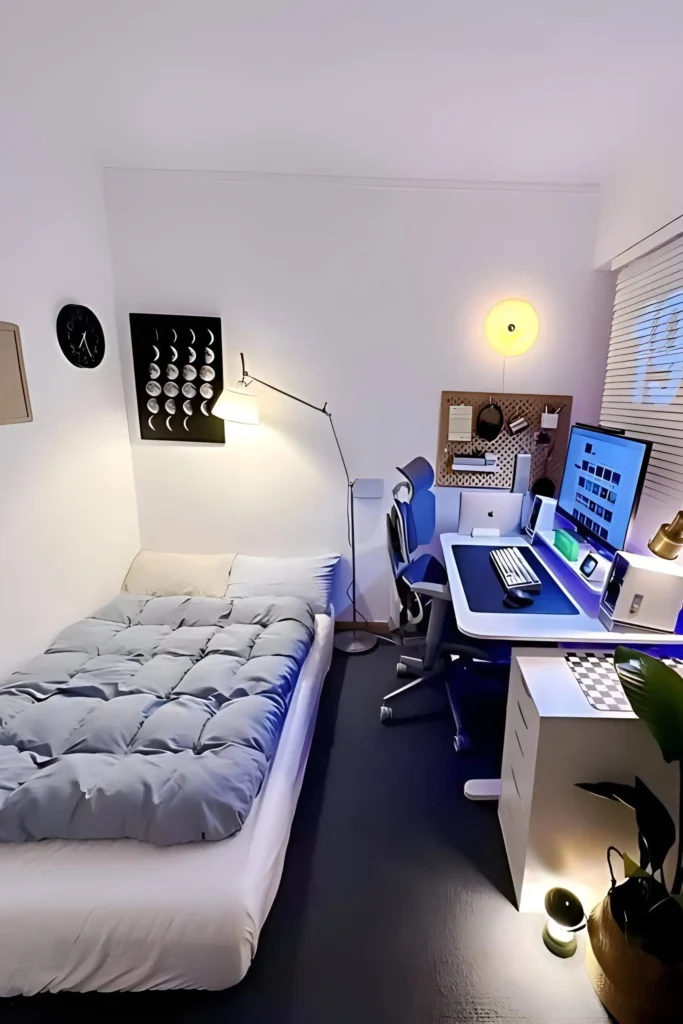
(485, 592)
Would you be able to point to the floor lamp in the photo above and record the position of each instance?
(241, 407)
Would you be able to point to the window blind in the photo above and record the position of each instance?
(643, 393)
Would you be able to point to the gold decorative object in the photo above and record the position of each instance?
(632, 985)
(668, 540)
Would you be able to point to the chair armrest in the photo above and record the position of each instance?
(438, 590)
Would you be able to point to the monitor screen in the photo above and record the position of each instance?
(603, 478)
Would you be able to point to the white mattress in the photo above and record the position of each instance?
(125, 915)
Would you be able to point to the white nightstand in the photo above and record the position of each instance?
(554, 833)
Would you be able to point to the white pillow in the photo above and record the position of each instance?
(160, 574)
(309, 578)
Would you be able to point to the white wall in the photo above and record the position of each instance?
(370, 298)
(68, 521)
(643, 195)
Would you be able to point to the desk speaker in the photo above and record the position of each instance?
(541, 516)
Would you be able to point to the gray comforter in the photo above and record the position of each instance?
(154, 719)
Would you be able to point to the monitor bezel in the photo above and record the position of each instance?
(581, 528)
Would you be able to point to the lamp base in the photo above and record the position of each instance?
(354, 641)
(561, 949)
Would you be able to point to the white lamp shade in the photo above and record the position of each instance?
(236, 406)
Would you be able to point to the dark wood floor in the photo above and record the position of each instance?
(395, 901)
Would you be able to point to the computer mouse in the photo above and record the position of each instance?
(516, 598)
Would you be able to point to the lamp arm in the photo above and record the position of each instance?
(339, 449)
(247, 378)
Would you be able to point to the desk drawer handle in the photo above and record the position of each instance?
(519, 744)
(525, 687)
(522, 714)
(512, 772)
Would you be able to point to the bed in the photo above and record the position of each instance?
(124, 915)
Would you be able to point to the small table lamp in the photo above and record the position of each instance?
(237, 405)
(566, 917)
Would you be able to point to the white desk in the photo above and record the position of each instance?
(581, 628)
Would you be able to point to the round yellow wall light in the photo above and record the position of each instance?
(512, 327)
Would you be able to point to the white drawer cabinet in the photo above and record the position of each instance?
(521, 740)
(554, 833)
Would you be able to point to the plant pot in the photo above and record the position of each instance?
(633, 986)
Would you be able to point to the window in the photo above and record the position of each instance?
(643, 392)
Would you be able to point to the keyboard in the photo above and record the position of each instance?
(514, 571)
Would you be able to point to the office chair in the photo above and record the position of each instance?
(420, 588)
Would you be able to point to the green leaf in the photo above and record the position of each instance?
(656, 695)
(631, 869)
(655, 825)
(656, 829)
(611, 791)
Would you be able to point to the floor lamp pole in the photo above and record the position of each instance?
(352, 517)
(354, 640)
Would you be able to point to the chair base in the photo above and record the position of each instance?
(386, 712)
(354, 641)
(461, 740)
(408, 667)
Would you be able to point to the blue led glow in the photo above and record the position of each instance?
(659, 359)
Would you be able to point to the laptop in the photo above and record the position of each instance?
(490, 510)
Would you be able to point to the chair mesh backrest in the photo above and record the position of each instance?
(394, 545)
(423, 509)
(419, 512)
(419, 475)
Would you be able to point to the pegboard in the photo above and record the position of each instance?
(546, 460)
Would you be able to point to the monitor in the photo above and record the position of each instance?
(602, 481)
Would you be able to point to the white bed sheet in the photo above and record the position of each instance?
(124, 915)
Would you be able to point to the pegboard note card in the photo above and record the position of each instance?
(460, 423)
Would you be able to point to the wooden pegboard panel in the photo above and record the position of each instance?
(547, 460)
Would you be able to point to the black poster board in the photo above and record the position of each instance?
(178, 362)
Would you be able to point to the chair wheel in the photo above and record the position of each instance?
(402, 671)
(461, 743)
(385, 713)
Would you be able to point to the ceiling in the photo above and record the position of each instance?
(494, 90)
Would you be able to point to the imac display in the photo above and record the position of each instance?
(603, 478)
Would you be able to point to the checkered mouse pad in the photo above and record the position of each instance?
(597, 677)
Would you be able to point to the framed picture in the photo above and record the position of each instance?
(15, 404)
(178, 362)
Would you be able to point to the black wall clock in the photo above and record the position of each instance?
(80, 336)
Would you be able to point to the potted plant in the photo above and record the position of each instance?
(635, 952)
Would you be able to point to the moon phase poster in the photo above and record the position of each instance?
(178, 362)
